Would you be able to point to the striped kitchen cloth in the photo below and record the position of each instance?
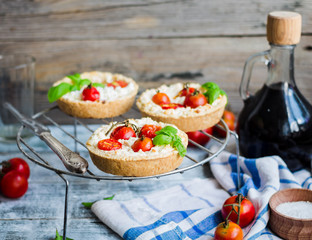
(191, 210)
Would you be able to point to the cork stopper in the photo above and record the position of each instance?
(284, 28)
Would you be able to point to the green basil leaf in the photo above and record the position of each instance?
(180, 148)
(210, 86)
(89, 204)
(98, 85)
(162, 139)
(58, 91)
(74, 88)
(84, 82)
(212, 95)
(109, 198)
(75, 78)
(59, 237)
(168, 130)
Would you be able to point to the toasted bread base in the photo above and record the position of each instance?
(137, 168)
(96, 109)
(191, 123)
(125, 162)
(107, 109)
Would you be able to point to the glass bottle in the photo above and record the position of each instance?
(277, 119)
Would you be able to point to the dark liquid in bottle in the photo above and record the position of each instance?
(277, 120)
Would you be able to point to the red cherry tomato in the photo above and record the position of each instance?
(109, 144)
(17, 164)
(199, 137)
(228, 115)
(229, 119)
(118, 83)
(144, 143)
(171, 106)
(149, 130)
(90, 94)
(195, 100)
(122, 83)
(14, 184)
(247, 210)
(229, 231)
(161, 98)
(185, 91)
(123, 132)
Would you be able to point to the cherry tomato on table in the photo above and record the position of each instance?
(161, 98)
(199, 137)
(109, 144)
(17, 164)
(195, 100)
(247, 210)
(14, 184)
(123, 132)
(228, 231)
(149, 130)
(90, 94)
(229, 118)
(144, 143)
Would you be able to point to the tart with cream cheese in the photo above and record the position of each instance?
(94, 94)
(190, 107)
(137, 147)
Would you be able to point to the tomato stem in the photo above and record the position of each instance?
(240, 198)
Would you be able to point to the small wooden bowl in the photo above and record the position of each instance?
(289, 227)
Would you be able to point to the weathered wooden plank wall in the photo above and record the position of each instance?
(152, 41)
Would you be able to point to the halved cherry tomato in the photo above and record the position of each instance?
(144, 143)
(118, 83)
(149, 130)
(247, 210)
(228, 231)
(123, 132)
(185, 91)
(171, 106)
(109, 144)
(14, 184)
(199, 137)
(90, 94)
(195, 100)
(161, 98)
(17, 164)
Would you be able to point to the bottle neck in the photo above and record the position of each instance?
(281, 67)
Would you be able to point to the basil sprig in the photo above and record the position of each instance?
(60, 90)
(213, 91)
(89, 204)
(59, 237)
(168, 135)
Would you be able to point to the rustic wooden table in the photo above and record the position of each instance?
(40, 211)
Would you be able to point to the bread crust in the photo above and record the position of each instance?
(189, 123)
(135, 164)
(136, 168)
(97, 109)
(89, 109)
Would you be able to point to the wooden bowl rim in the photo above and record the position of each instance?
(305, 220)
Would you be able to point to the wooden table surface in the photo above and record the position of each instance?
(40, 211)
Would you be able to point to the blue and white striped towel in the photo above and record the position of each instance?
(191, 210)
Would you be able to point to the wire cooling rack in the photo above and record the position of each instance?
(47, 117)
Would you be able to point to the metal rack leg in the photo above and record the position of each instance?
(65, 206)
(75, 133)
(238, 157)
